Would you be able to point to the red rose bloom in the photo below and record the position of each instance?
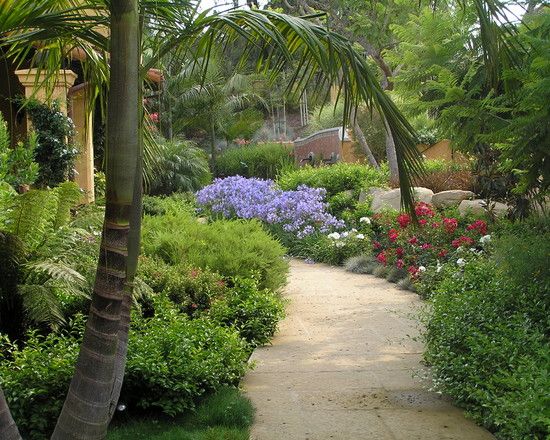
(426, 246)
(423, 209)
(404, 220)
(393, 234)
(376, 245)
(422, 222)
(413, 240)
(381, 257)
(478, 225)
(400, 263)
(450, 224)
(399, 252)
(443, 253)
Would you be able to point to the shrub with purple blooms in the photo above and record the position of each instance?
(301, 212)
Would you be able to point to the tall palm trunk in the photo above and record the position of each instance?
(8, 428)
(87, 409)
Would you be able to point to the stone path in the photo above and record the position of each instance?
(343, 366)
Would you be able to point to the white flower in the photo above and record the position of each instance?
(360, 236)
(334, 236)
(439, 267)
(365, 220)
(353, 230)
(340, 244)
(485, 239)
(461, 262)
(421, 269)
(345, 234)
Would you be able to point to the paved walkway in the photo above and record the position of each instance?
(343, 366)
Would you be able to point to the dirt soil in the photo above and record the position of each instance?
(346, 365)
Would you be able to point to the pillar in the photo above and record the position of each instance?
(82, 117)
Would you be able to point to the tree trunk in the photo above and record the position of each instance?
(8, 428)
(391, 154)
(86, 411)
(362, 140)
(213, 145)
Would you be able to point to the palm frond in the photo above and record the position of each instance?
(41, 304)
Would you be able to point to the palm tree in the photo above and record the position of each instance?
(209, 100)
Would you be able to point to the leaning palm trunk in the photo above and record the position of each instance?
(361, 139)
(8, 428)
(87, 409)
(391, 154)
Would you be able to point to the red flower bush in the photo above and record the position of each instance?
(404, 244)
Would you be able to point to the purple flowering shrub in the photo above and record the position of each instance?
(301, 212)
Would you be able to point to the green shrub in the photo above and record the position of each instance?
(262, 160)
(230, 248)
(17, 165)
(253, 312)
(35, 379)
(181, 167)
(335, 178)
(173, 360)
(55, 152)
(191, 290)
(488, 351)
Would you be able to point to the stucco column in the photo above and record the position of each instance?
(39, 87)
(83, 119)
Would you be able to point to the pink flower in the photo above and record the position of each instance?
(413, 240)
(426, 246)
(478, 225)
(376, 245)
(399, 252)
(450, 224)
(436, 225)
(413, 271)
(442, 253)
(462, 240)
(423, 209)
(393, 234)
(422, 222)
(404, 220)
(381, 257)
(400, 264)
(154, 117)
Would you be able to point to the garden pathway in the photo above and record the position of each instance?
(345, 366)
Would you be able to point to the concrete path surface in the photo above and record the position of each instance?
(345, 366)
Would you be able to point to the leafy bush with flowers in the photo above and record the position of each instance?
(434, 239)
(300, 212)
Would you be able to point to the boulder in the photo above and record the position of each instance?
(392, 199)
(366, 193)
(478, 207)
(452, 197)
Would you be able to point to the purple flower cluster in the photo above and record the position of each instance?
(301, 212)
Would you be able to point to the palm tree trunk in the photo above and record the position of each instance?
(213, 144)
(8, 428)
(360, 137)
(86, 412)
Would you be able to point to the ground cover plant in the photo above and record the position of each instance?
(225, 415)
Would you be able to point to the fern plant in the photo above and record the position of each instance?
(46, 259)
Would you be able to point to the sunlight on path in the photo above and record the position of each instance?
(343, 366)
